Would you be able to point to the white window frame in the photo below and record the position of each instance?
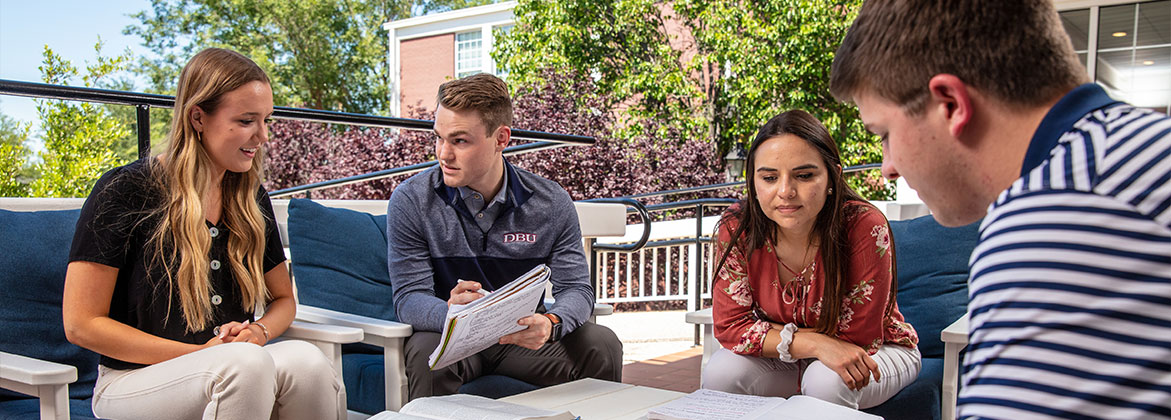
(466, 67)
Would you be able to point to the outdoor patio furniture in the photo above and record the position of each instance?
(338, 250)
(40, 371)
(932, 264)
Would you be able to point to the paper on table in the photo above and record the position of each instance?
(799, 407)
(472, 328)
(469, 407)
(714, 405)
(463, 406)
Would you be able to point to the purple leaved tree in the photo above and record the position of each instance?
(300, 152)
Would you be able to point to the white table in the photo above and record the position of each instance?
(596, 399)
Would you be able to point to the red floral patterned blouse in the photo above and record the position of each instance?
(748, 294)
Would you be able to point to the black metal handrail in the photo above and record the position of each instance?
(144, 101)
(711, 187)
(635, 206)
(403, 170)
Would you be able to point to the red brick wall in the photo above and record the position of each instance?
(426, 63)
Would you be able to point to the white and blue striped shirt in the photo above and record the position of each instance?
(1071, 282)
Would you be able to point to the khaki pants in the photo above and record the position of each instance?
(730, 372)
(285, 380)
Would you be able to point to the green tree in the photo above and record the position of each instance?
(80, 138)
(323, 54)
(719, 68)
(15, 172)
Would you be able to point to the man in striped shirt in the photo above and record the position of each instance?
(984, 109)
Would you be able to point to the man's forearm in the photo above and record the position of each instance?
(422, 311)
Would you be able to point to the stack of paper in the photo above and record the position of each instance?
(706, 404)
(471, 328)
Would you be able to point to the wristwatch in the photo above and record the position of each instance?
(555, 334)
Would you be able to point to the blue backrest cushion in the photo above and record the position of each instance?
(933, 275)
(339, 259)
(34, 252)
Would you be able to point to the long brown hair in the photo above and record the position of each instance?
(755, 229)
(181, 240)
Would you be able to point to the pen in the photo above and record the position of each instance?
(480, 290)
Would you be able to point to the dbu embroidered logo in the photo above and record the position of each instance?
(520, 237)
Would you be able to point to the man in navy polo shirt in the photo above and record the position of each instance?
(984, 108)
(475, 217)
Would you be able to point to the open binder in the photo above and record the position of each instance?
(471, 328)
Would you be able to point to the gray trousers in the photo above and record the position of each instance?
(590, 351)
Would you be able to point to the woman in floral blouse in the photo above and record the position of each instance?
(805, 292)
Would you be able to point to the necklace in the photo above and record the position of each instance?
(790, 269)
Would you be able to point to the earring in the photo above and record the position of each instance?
(831, 190)
(199, 136)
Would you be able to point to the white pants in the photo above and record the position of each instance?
(730, 372)
(286, 380)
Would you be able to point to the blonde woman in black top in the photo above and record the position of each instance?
(172, 256)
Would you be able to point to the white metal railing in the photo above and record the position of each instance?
(655, 273)
(665, 268)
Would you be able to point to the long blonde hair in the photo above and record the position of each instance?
(184, 177)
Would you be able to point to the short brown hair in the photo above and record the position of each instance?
(483, 93)
(1015, 51)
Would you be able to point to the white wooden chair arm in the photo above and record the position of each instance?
(389, 335)
(48, 381)
(955, 338)
(34, 372)
(324, 333)
(600, 309)
(372, 327)
(704, 317)
(957, 332)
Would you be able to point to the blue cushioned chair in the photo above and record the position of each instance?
(932, 263)
(339, 263)
(34, 252)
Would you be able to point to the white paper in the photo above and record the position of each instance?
(473, 407)
(469, 329)
(799, 407)
(706, 404)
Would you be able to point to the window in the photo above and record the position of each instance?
(469, 52)
(1131, 52)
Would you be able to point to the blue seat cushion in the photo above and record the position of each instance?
(362, 374)
(932, 263)
(34, 252)
(366, 389)
(920, 399)
(29, 409)
(496, 386)
(339, 259)
(339, 263)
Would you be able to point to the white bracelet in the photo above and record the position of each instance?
(786, 339)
